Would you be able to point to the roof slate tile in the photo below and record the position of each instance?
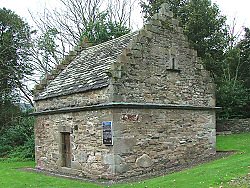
(87, 70)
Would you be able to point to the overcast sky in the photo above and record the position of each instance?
(232, 9)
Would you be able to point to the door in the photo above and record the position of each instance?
(66, 151)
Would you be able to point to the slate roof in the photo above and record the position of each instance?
(87, 70)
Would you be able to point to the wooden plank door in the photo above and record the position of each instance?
(66, 151)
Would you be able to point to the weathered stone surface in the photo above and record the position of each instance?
(121, 168)
(76, 100)
(233, 125)
(144, 161)
(76, 165)
(168, 137)
(124, 144)
(86, 150)
(152, 67)
(112, 159)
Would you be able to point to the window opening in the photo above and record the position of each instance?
(173, 63)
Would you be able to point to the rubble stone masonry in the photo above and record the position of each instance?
(233, 125)
(160, 100)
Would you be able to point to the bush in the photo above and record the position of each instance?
(25, 151)
(17, 141)
(232, 96)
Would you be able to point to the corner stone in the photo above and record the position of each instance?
(144, 161)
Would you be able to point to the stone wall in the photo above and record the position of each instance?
(144, 73)
(233, 125)
(92, 97)
(147, 140)
(86, 143)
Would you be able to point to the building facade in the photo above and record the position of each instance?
(139, 103)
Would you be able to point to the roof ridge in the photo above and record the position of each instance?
(110, 41)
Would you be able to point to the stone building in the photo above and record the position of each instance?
(136, 104)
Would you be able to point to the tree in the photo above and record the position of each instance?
(45, 51)
(150, 7)
(233, 84)
(244, 47)
(231, 92)
(17, 140)
(244, 69)
(14, 58)
(76, 24)
(75, 16)
(102, 29)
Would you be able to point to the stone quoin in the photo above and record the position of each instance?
(139, 103)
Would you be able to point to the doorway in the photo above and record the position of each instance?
(66, 150)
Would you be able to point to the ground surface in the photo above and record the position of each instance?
(227, 172)
(242, 182)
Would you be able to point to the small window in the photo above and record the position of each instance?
(172, 59)
(66, 150)
(173, 63)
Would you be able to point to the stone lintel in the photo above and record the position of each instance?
(65, 129)
(122, 105)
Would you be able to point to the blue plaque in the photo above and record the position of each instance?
(107, 133)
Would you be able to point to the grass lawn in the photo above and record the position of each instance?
(11, 177)
(212, 174)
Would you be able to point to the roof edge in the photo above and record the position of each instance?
(123, 105)
(38, 98)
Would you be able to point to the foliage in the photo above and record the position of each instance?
(244, 68)
(76, 23)
(14, 53)
(14, 64)
(212, 174)
(18, 139)
(244, 47)
(204, 27)
(25, 151)
(8, 114)
(232, 84)
(45, 51)
(233, 97)
(150, 7)
(102, 29)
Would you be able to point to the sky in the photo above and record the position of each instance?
(232, 9)
(235, 9)
(22, 7)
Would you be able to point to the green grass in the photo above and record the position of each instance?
(211, 174)
(11, 177)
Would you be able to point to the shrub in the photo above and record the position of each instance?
(17, 141)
